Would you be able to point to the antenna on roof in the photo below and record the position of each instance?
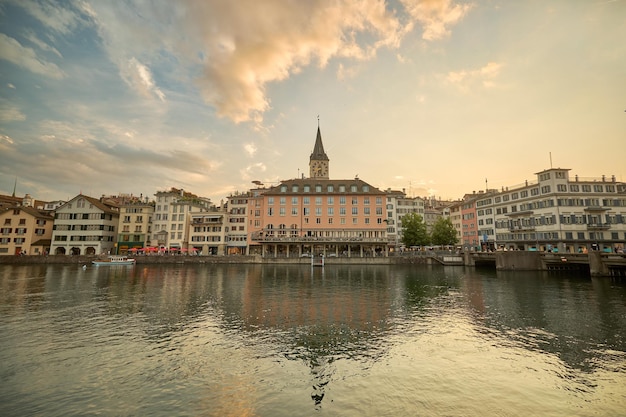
(550, 160)
(318, 121)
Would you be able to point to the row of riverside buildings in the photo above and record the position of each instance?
(319, 215)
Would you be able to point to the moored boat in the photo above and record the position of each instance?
(114, 260)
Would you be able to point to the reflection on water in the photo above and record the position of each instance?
(252, 340)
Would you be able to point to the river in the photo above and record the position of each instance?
(259, 340)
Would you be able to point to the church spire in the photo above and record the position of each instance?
(318, 162)
(318, 149)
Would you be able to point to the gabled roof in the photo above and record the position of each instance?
(95, 202)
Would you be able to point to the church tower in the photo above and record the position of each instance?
(318, 163)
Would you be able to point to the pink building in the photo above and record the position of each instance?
(317, 215)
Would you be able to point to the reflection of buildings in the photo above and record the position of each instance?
(318, 215)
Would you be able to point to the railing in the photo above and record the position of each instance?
(604, 226)
(312, 239)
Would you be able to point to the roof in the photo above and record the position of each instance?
(31, 211)
(312, 182)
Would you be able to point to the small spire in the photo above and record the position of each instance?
(14, 187)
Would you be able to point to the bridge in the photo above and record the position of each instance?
(595, 263)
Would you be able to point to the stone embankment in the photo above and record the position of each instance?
(234, 259)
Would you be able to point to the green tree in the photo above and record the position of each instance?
(444, 232)
(414, 231)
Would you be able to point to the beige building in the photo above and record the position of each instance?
(25, 231)
(135, 224)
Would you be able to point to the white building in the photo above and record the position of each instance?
(555, 213)
(84, 226)
(399, 205)
(171, 220)
(237, 228)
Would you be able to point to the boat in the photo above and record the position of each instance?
(114, 260)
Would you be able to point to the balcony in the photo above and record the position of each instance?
(599, 226)
(275, 238)
(529, 228)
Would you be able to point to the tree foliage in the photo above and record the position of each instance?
(414, 231)
(443, 232)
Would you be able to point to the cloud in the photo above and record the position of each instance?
(22, 56)
(10, 112)
(234, 50)
(253, 172)
(139, 77)
(30, 36)
(466, 79)
(436, 16)
(11, 86)
(250, 149)
(60, 19)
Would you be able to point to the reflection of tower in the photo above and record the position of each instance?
(318, 162)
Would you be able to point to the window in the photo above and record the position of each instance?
(306, 201)
(307, 188)
(330, 201)
(561, 187)
(283, 201)
(379, 201)
(355, 211)
(366, 200)
(342, 188)
(574, 188)
(342, 200)
(294, 188)
(331, 211)
(294, 201)
(330, 188)
(353, 188)
(318, 201)
(318, 188)
(283, 188)
(598, 188)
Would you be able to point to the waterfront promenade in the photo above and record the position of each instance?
(593, 263)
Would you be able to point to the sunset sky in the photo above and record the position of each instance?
(108, 97)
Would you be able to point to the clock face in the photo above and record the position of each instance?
(318, 168)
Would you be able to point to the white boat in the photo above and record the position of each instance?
(114, 260)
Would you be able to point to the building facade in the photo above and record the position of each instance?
(555, 213)
(237, 228)
(85, 226)
(25, 231)
(317, 215)
(171, 220)
(135, 225)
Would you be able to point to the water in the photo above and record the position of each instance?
(251, 340)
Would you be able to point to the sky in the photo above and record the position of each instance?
(436, 97)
